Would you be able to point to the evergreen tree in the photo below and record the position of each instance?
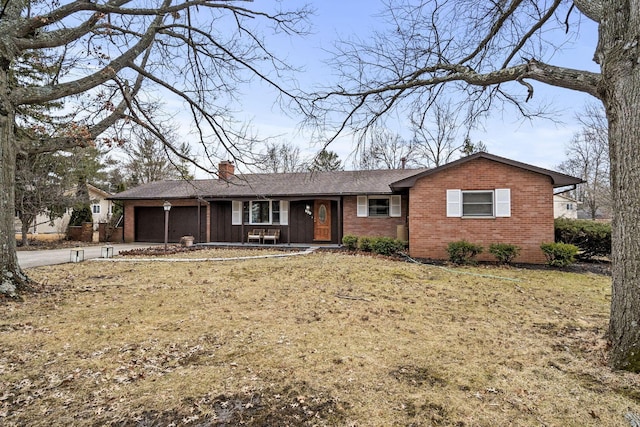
(326, 160)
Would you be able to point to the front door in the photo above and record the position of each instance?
(322, 220)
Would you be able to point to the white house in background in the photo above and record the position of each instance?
(564, 207)
(101, 208)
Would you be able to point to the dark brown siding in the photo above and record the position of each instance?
(221, 228)
(183, 221)
(300, 224)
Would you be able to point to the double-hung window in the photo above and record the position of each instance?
(379, 206)
(479, 203)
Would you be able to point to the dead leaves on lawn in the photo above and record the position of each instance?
(323, 339)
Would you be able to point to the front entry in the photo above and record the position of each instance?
(322, 220)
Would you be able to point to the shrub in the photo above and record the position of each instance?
(350, 242)
(80, 215)
(559, 254)
(364, 244)
(463, 252)
(591, 237)
(504, 252)
(386, 245)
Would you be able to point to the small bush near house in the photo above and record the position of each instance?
(463, 252)
(350, 242)
(505, 253)
(80, 215)
(559, 254)
(593, 238)
(386, 246)
(365, 244)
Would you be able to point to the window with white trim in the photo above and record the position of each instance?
(260, 212)
(379, 206)
(479, 203)
(95, 208)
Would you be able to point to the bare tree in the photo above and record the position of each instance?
(588, 158)
(435, 134)
(114, 58)
(280, 157)
(384, 149)
(489, 52)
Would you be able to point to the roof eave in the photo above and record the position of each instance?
(558, 179)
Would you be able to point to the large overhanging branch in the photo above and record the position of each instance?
(28, 35)
(428, 79)
(592, 9)
(568, 78)
(85, 134)
(35, 95)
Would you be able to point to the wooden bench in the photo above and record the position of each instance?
(255, 234)
(272, 235)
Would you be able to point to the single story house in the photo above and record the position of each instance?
(481, 198)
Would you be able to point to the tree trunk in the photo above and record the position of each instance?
(618, 55)
(12, 280)
(24, 229)
(624, 327)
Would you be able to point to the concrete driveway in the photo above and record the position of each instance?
(29, 259)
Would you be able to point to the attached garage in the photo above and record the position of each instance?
(183, 221)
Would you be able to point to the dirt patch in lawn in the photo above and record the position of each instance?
(321, 339)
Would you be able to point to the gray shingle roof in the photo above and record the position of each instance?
(274, 185)
(313, 184)
(558, 179)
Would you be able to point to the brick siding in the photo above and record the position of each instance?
(370, 226)
(530, 224)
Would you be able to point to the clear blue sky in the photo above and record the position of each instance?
(540, 142)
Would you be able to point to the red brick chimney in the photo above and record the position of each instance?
(225, 170)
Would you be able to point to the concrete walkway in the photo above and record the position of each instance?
(29, 259)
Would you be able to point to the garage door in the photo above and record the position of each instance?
(183, 221)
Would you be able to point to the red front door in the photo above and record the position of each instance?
(322, 220)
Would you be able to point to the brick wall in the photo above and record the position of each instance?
(130, 217)
(370, 226)
(530, 224)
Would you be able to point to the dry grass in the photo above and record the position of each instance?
(323, 339)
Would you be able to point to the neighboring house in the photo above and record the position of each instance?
(101, 208)
(481, 198)
(564, 207)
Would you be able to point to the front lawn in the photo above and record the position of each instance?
(321, 339)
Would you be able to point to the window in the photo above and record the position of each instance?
(569, 207)
(95, 208)
(479, 204)
(260, 212)
(275, 211)
(379, 206)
